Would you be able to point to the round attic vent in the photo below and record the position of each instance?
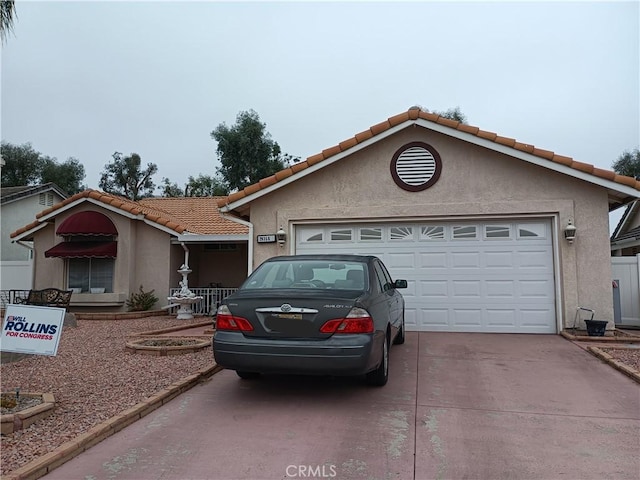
(416, 166)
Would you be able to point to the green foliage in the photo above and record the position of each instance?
(22, 165)
(628, 164)
(67, 175)
(7, 16)
(139, 302)
(202, 186)
(452, 113)
(125, 177)
(26, 166)
(205, 186)
(246, 151)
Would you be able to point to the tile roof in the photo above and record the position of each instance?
(8, 194)
(414, 114)
(197, 215)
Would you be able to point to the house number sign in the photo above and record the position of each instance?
(266, 239)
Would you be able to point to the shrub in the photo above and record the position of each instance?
(139, 302)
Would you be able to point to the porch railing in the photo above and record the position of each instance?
(9, 296)
(208, 306)
(210, 301)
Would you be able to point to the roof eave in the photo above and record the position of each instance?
(618, 194)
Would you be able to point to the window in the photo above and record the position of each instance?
(462, 232)
(384, 278)
(432, 233)
(88, 273)
(531, 230)
(497, 231)
(401, 233)
(371, 234)
(338, 235)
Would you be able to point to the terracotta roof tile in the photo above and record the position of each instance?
(415, 113)
(266, 182)
(197, 215)
(509, 142)
(398, 119)
(317, 158)
(282, 174)
(380, 127)
(488, 135)
(364, 136)
(347, 144)
(543, 153)
(296, 167)
(448, 122)
(608, 174)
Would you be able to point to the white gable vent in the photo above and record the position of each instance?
(416, 166)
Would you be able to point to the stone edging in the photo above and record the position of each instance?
(136, 346)
(604, 356)
(45, 464)
(12, 422)
(603, 339)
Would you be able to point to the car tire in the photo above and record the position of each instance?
(380, 375)
(247, 375)
(399, 340)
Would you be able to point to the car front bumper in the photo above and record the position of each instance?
(336, 355)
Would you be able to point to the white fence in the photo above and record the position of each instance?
(16, 275)
(210, 301)
(626, 274)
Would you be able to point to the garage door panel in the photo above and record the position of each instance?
(462, 277)
(466, 289)
(434, 289)
(465, 261)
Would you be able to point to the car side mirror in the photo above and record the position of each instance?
(400, 284)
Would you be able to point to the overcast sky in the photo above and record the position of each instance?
(85, 79)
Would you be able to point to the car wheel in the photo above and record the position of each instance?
(380, 375)
(247, 375)
(399, 340)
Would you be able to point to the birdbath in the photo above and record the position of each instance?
(185, 298)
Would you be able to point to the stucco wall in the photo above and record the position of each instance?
(15, 215)
(475, 182)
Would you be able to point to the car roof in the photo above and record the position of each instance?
(327, 257)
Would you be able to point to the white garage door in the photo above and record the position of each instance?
(463, 277)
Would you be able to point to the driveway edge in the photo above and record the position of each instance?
(604, 356)
(45, 464)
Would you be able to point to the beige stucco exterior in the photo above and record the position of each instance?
(475, 183)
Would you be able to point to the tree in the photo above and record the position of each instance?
(452, 113)
(67, 175)
(628, 164)
(26, 166)
(246, 151)
(125, 177)
(205, 186)
(22, 165)
(202, 186)
(7, 17)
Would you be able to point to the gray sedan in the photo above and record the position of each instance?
(312, 314)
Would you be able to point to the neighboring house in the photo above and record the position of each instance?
(94, 240)
(625, 251)
(474, 221)
(19, 205)
(626, 237)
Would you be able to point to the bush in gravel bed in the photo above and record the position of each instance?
(93, 378)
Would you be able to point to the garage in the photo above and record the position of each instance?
(491, 233)
(481, 276)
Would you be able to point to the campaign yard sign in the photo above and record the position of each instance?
(31, 329)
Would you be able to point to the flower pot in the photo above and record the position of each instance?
(596, 328)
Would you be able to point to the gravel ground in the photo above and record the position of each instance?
(92, 379)
(628, 356)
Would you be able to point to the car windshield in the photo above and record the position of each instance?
(309, 274)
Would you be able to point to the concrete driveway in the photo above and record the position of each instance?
(456, 406)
